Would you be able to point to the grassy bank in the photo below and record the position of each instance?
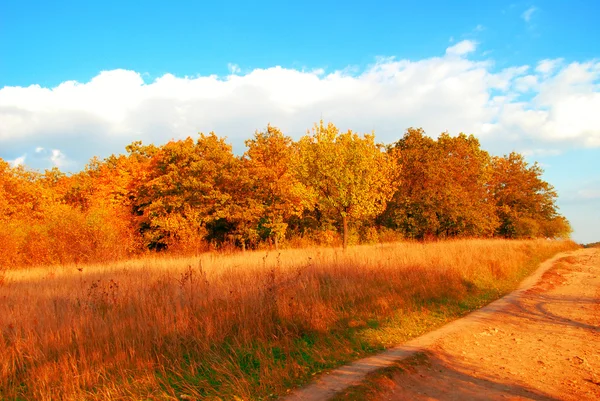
(249, 325)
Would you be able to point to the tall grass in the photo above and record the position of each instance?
(249, 325)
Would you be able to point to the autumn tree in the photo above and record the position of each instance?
(412, 209)
(277, 190)
(349, 174)
(42, 226)
(193, 188)
(443, 187)
(186, 192)
(93, 210)
(22, 205)
(466, 208)
(21, 195)
(526, 204)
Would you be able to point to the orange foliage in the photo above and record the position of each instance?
(192, 195)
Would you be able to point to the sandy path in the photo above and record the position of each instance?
(540, 342)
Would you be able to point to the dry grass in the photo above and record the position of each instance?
(248, 325)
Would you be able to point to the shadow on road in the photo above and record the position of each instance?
(439, 376)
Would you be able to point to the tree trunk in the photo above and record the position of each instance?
(345, 233)
(276, 240)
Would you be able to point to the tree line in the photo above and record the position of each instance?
(327, 188)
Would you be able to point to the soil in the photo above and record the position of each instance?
(541, 342)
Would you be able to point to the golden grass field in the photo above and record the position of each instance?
(249, 325)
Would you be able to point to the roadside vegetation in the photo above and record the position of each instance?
(249, 325)
(184, 271)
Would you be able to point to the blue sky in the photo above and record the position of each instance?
(48, 42)
(84, 78)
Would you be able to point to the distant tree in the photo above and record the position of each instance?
(526, 204)
(442, 188)
(186, 192)
(192, 188)
(279, 193)
(415, 202)
(21, 195)
(349, 174)
(556, 227)
(466, 208)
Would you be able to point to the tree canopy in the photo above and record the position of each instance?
(195, 194)
(442, 187)
(350, 174)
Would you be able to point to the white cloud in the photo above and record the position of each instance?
(570, 101)
(58, 159)
(526, 83)
(527, 14)
(513, 108)
(505, 78)
(548, 66)
(233, 68)
(461, 48)
(17, 161)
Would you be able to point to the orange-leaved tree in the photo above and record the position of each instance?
(195, 190)
(22, 204)
(443, 187)
(466, 209)
(279, 193)
(526, 204)
(412, 209)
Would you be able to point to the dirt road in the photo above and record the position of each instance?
(541, 342)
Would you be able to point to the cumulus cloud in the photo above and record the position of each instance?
(511, 108)
(58, 158)
(526, 83)
(234, 68)
(548, 66)
(17, 161)
(461, 48)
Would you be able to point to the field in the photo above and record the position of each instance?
(249, 325)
